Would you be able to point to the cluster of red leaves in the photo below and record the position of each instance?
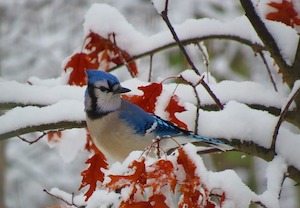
(285, 13)
(94, 172)
(160, 180)
(97, 52)
(148, 100)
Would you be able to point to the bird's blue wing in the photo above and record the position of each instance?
(136, 117)
(145, 123)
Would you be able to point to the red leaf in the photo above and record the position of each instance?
(191, 184)
(158, 201)
(174, 107)
(285, 13)
(93, 173)
(89, 145)
(54, 136)
(148, 100)
(161, 173)
(79, 62)
(155, 201)
(97, 52)
(121, 181)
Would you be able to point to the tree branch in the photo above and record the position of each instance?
(281, 117)
(255, 47)
(165, 17)
(43, 127)
(289, 75)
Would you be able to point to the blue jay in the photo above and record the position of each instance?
(118, 126)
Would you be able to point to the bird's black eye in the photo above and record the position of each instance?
(103, 89)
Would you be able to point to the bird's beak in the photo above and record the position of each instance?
(121, 90)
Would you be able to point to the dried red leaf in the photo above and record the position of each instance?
(54, 136)
(97, 51)
(155, 201)
(148, 100)
(121, 181)
(190, 186)
(79, 62)
(285, 13)
(93, 173)
(90, 145)
(158, 201)
(161, 173)
(174, 107)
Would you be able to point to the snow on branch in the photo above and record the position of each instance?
(22, 120)
(190, 31)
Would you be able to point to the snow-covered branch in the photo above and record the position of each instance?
(274, 45)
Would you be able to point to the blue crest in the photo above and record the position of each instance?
(96, 75)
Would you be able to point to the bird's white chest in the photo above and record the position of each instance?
(115, 138)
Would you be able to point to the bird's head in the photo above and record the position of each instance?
(102, 95)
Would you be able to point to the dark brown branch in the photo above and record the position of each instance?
(165, 17)
(33, 141)
(43, 127)
(282, 116)
(267, 39)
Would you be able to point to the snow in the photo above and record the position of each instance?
(286, 38)
(190, 76)
(22, 117)
(114, 22)
(70, 143)
(14, 92)
(159, 5)
(275, 175)
(237, 120)
(69, 198)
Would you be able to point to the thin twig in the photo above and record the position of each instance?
(62, 199)
(281, 118)
(268, 69)
(34, 141)
(165, 17)
(197, 98)
(150, 68)
(205, 57)
(121, 56)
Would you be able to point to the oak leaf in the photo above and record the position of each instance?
(147, 101)
(93, 173)
(97, 52)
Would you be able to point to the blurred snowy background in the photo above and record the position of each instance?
(37, 35)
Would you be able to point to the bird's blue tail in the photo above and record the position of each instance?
(212, 142)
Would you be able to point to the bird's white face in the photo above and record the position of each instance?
(101, 97)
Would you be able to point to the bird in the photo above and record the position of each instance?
(118, 126)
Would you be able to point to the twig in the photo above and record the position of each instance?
(62, 199)
(34, 141)
(165, 17)
(265, 36)
(268, 69)
(255, 46)
(281, 118)
(205, 57)
(124, 61)
(43, 127)
(197, 98)
(150, 68)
